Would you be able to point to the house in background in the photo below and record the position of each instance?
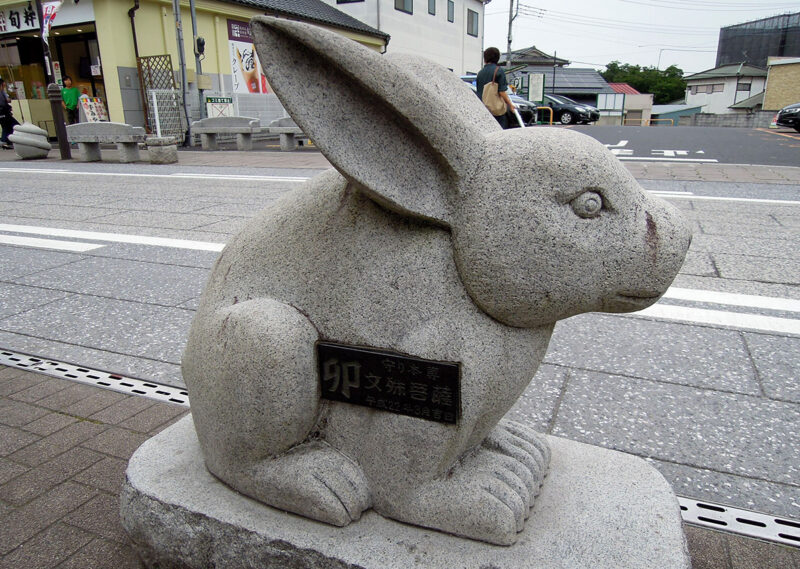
(718, 90)
(635, 110)
(755, 41)
(671, 115)
(449, 32)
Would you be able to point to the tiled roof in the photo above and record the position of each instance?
(532, 56)
(315, 11)
(750, 102)
(730, 70)
(624, 88)
(572, 81)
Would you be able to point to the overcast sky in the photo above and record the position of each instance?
(591, 33)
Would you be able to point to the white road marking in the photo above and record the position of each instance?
(74, 246)
(659, 159)
(736, 320)
(182, 175)
(115, 237)
(733, 299)
(670, 193)
(724, 199)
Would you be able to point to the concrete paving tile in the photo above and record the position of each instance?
(724, 432)
(738, 287)
(20, 261)
(15, 298)
(16, 413)
(98, 400)
(777, 360)
(123, 409)
(707, 548)
(678, 353)
(122, 279)
(763, 269)
(176, 204)
(773, 248)
(748, 553)
(537, 405)
(158, 255)
(71, 394)
(108, 325)
(102, 360)
(773, 232)
(49, 424)
(39, 480)
(59, 442)
(100, 515)
(13, 439)
(170, 220)
(60, 211)
(10, 470)
(107, 475)
(153, 418)
(47, 549)
(40, 390)
(25, 522)
(99, 553)
(116, 442)
(698, 263)
(738, 491)
(229, 225)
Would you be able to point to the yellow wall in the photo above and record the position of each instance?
(156, 35)
(783, 86)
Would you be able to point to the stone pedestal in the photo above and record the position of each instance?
(30, 141)
(598, 509)
(162, 150)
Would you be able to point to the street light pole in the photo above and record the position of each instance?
(53, 92)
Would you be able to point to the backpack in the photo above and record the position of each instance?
(491, 98)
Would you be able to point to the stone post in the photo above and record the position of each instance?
(54, 94)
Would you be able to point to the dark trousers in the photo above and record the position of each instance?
(8, 123)
(72, 115)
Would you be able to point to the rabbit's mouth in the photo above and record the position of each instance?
(629, 301)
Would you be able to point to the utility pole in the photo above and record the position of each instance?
(512, 15)
(176, 8)
(198, 67)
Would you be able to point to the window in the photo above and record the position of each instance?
(432, 7)
(451, 11)
(743, 87)
(472, 23)
(710, 88)
(406, 6)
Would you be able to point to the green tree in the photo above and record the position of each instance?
(666, 85)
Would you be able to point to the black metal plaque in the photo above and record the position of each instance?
(390, 382)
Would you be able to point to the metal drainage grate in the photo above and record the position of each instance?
(751, 524)
(113, 381)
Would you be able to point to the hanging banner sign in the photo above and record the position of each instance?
(49, 10)
(246, 70)
(22, 16)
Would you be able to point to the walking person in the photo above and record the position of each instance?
(7, 120)
(490, 73)
(69, 98)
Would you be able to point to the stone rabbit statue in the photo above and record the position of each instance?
(440, 238)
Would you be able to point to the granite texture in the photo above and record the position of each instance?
(599, 510)
(30, 141)
(423, 243)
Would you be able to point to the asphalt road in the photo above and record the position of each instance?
(774, 147)
(102, 266)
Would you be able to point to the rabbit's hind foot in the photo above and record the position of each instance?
(488, 495)
(313, 480)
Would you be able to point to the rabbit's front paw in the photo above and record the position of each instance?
(313, 480)
(525, 447)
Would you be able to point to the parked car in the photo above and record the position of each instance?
(789, 116)
(567, 111)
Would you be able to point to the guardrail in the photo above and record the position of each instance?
(547, 109)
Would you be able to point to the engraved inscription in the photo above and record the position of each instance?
(391, 382)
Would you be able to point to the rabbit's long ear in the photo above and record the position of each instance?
(382, 122)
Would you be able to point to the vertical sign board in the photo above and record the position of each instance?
(536, 87)
(246, 71)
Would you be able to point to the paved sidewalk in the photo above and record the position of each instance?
(64, 446)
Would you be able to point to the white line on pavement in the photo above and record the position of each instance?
(48, 243)
(652, 159)
(733, 299)
(724, 199)
(719, 318)
(115, 237)
(183, 175)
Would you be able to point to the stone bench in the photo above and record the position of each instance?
(90, 135)
(243, 127)
(288, 131)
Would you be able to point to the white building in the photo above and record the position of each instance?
(717, 90)
(449, 32)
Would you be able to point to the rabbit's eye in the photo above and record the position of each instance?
(587, 205)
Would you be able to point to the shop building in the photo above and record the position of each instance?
(103, 44)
